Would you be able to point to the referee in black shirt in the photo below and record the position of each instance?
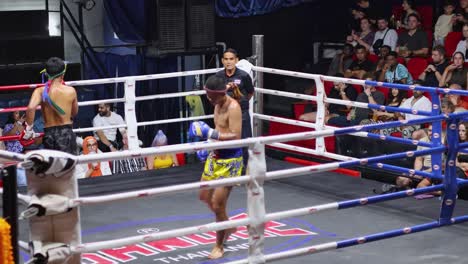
(237, 77)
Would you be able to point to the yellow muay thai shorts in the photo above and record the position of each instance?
(218, 168)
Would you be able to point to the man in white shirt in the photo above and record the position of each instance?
(107, 138)
(385, 35)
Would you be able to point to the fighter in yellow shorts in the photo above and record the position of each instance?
(222, 163)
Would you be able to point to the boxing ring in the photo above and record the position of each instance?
(256, 216)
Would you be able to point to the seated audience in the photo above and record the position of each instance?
(161, 161)
(95, 169)
(107, 138)
(341, 61)
(432, 75)
(462, 46)
(459, 104)
(354, 117)
(14, 127)
(357, 114)
(384, 50)
(130, 164)
(421, 163)
(374, 9)
(455, 72)
(394, 72)
(384, 36)
(408, 9)
(461, 16)
(360, 66)
(444, 23)
(340, 91)
(416, 102)
(365, 37)
(462, 157)
(413, 42)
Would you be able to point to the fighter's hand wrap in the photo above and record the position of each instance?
(202, 130)
(48, 253)
(50, 162)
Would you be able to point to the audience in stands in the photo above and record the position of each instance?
(107, 138)
(413, 42)
(455, 72)
(14, 127)
(459, 104)
(394, 72)
(374, 9)
(364, 37)
(421, 163)
(360, 66)
(462, 157)
(341, 61)
(161, 161)
(384, 50)
(95, 169)
(462, 46)
(357, 14)
(130, 164)
(340, 91)
(408, 9)
(416, 102)
(444, 23)
(461, 15)
(384, 36)
(395, 98)
(432, 75)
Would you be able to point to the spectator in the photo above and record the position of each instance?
(408, 9)
(161, 161)
(421, 163)
(444, 23)
(128, 165)
(432, 75)
(383, 36)
(360, 66)
(373, 9)
(461, 16)
(459, 104)
(340, 91)
(462, 46)
(413, 42)
(95, 169)
(341, 61)
(395, 99)
(14, 126)
(462, 157)
(394, 72)
(384, 50)
(417, 102)
(107, 138)
(355, 116)
(455, 72)
(357, 13)
(365, 37)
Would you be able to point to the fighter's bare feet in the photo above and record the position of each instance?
(217, 252)
(228, 233)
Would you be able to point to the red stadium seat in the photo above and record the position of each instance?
(416, 66)
(430, 38)
(373, 58)
(426, 14)
(451, 42)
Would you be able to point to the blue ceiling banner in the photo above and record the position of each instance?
(241, 8)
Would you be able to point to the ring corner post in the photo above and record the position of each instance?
(450, 180)
(257, 48)
(130, 114)
(10, 205)
(256, 203)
